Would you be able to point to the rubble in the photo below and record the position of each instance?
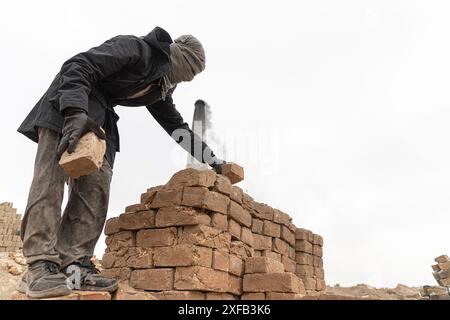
(200, 237)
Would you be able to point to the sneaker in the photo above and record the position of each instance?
(44, 280)
(22, 285)
(83, 275)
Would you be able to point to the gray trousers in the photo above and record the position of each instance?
(45, 234)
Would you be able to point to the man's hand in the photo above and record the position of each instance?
(76, 124)
(217, 166)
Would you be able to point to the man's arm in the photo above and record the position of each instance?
(172, 122)
(82, 70)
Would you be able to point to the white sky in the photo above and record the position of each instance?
(338, 111)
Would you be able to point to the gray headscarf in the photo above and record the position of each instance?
(187, 59)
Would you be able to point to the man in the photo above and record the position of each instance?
(125, 70)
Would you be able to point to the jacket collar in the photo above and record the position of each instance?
(160, 39)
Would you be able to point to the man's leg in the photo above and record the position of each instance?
(41, 222)
(84, 216)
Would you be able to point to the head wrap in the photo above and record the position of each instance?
(187, 58)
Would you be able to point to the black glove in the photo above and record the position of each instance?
(217, 166)
(76, 124)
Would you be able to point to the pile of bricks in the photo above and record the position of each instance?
(9, 228)
(441, 270)
(200, 237)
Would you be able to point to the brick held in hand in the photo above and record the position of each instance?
(233, 171)
(87, 157)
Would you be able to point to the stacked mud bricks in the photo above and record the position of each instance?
(441, 270)
(200, 237)
(9, 228)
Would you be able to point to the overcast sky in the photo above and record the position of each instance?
(338, 110)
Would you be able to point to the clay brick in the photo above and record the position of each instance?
(180, 216)
(121, 274)
(200, 278)
(444, 265)
(120, 240)
(257, 226)
(233, 171)
(292, 253)
(321, 285)
(304, 258)
(319, 273)
(280, 246)
(137, 258)
(147, 197)
(239, 214)
(442, 259)
(167, 198)
(318, 262)
(283, 296)
(234, 284)
(219, 221)
(112, 226)
(182, 255)
(271, 229)
(205, 236)
(304, 270)
(137, 220)
(309, 283)
(241, 249)
(220, 296)
(135, 207)
(152, 279)
(263, 265)
(87, 157)
(156, 237)
(248, 202)
(108, 260)
(318, 240)
(271, 254)
(289, 264)
(236, 265)
(262, 211)
(303, 246)
(222, 185)
(253, 296)
(192, 177)
(317, 250)
(234, 229)
(445, 282)
(302, 234)
(271, 282)
(281, 217)
(200, 197)
(435, 267)
(236, 194)
(247, 236)
(179, 295)
(288, 235)
(125, 292)
(221, 260)
(262, 242)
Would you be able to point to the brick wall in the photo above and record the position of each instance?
(200, 237)
(9, 228)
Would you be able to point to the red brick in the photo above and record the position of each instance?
(156, 237)
(167, 198)
(233, 171)
(303, 246)
(263, 265)
(257, 226)
(152, 279)
(137, 220)
(221, 260)
(201, 278)
(182, 255)
(236, 194)
(192, 177)
(112, 226)
(247, 236)
(180, 216)
(262, 242)
(219, 221)
(272, 282)
(122, 239)
(222, 185)
(234, 229)
(271, 229)
(205, 236)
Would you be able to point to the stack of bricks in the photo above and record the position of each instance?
(200, 237)
(441, 270)
(309, 262)
(9, 228)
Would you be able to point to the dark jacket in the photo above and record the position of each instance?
(101, 78)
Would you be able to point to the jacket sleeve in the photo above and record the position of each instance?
(86, 68)
(172, 122)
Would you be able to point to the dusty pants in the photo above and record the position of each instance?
(45, 234)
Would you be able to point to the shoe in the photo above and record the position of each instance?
(22, 285)
(44, 280)
(84, 276)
